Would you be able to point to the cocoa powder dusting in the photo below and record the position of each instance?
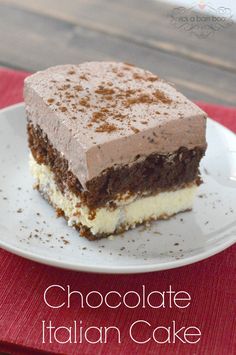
(78, 87)
(104, 91)
(106, 127)
(84, 102)
(110, 98)
(142, 99)
(160, 96)
(135, 130)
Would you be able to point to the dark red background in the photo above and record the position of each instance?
(211, 284)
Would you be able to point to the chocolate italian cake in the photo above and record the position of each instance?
(112, 146)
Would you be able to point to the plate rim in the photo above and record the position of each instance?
(136, 269)
(133, 269)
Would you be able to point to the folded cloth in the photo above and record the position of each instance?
(211, 284)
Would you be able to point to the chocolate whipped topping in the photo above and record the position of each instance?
(101, 114)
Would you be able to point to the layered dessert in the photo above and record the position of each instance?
(112, 145)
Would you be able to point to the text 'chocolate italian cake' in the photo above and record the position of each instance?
(112, 146)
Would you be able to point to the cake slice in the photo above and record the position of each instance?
(112, 145)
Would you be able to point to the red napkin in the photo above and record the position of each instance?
(211, 284)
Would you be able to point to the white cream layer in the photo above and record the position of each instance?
(128, 213)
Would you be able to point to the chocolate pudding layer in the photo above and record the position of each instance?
(103, 114)
(155, 173)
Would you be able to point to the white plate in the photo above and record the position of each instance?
(28, 226)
